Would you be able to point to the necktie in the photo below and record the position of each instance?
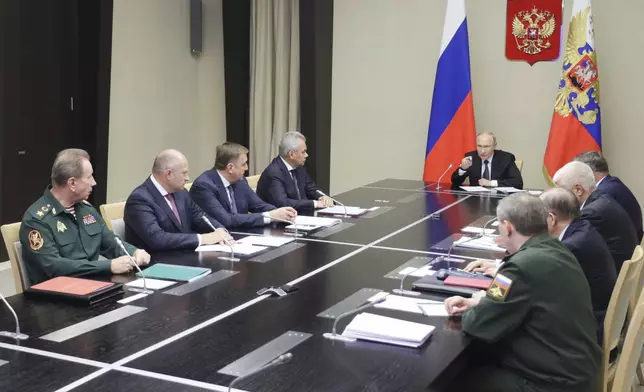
(297, 187)
(170, 198)
(486, 170)
(233, 204)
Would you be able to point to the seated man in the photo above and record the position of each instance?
(62, 234)
(487, 166)
(614, 187)
(160, 214)
(224, 194)
(536, 318)
(601, 210)
(285, 182)
(586, 244)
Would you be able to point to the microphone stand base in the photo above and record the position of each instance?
(406, 292)
(332, 336)
(228, 258)
(14, 335)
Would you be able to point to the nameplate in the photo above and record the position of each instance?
(91, 324)
(332, 230)
(351, 302)
(277, 252)
(265, 354)
(415, 262)
(375, 213)
(200, 283)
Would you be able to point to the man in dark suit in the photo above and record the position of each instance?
(601, 210)
(585, 243)
(224, 194)
(487, 166)
(285, 182)
(160, 214)
(614, 187)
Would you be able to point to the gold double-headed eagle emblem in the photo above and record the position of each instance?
(531, 30)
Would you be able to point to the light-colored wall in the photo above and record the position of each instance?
(161, 96)
(384, 62)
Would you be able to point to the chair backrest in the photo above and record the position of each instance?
(112, 212)
(519, 164)
(617, 309)
(10, 234)
(629, 360)
(638, 253)
(252, 181)
(188, 186)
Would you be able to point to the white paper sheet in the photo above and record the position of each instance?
(240, 249)
(483, 243)
(475, 189)
(153, 284)
(433, 309)
(367, 326)
(508, 189)
(265, 240)
(419, 272)
(476, 230)
(339, 210)
(316, 221)
(404, 304)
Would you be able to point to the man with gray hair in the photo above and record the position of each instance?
(285, 182)
(62, 234)
(536, 317)
(601, 210)
(614, 187)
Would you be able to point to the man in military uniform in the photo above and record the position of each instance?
(62, 234)
(536, 319)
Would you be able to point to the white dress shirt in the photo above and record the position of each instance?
(599, 182)
(563, 232)
(495, 183)
(164, 193)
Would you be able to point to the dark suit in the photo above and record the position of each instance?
(209, 192)
(615, 188)
(614, 225)
(151, 224)
(276, 187)
(595, 259)
(504, 170)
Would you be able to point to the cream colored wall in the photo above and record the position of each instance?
(384, 63)
(161, 96)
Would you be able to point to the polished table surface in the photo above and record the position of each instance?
(181, 342)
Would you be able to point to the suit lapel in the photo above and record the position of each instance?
(180, 200)
(497, 166)
(162, 202)
(223, 195)
(288, 178)
(476, 170)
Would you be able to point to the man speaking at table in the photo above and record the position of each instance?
(488, 166)
(285, 182)
(224, 193)
(160, 214)
(536, 317)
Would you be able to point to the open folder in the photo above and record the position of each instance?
(373, 327)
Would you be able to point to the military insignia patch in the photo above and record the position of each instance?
(40, 213)
(500, 287)
(35, 240)
(89, 219)
(60, 226)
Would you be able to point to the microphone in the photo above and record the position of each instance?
(145, 283)
(13, 335)
(438, 183)
(379, 298)
(290, 223)
(281, 360)
(401, 290)
(481, 235)
(335, 201)
(232, 250)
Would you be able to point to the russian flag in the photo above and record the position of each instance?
(576, 121)
(451, 124)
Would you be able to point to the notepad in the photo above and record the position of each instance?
(482, 243)
(265, 240)
(367, 326)
(340, 210)
(316, 221)
(179, 273)
(433, 309)
(240, 249)
(152, 284)
(404, 304)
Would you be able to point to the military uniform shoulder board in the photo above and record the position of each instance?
(41, 212)
(500, 287)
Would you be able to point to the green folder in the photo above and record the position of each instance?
(179, 273)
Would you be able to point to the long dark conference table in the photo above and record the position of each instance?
(199, 336)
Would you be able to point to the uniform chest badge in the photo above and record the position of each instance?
(60, 226)
(89, 219)
(35, 240)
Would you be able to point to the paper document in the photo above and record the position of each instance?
(240, 249)
(495, 223)
(404, 304)
(316, 221)
(433, 309)
(483, 243)
(153, 284)
(264, 240)
(475, 189)
(508, 189)
(339, 210)
(535, 193)
(476, 230)
(367, 326)
(419, 272)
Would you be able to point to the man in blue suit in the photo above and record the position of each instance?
(586, 244)
(285, 182)
(224, 194)
(160, 214)
(614, 187)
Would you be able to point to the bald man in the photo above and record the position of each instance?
(488, 166)
(160, 215)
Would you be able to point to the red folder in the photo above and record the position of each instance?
(476, 283)
(71, 286)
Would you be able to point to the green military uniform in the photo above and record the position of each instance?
(55, 243)
(537, 315)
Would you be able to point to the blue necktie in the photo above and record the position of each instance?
(233, 204)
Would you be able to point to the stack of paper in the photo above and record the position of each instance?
(316, 221)
(240, 249)
(476, 230)
(340, 210)
(367, 326)
(405, 304)
(482, 243)
(264, 240)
